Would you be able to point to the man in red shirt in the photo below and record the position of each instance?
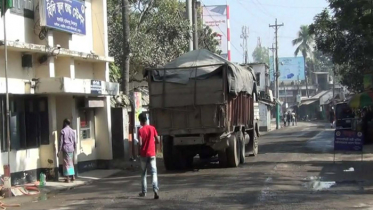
(148, 138)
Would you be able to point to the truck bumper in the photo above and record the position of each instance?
(192, 140)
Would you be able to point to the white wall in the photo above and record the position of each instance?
(260, 68)
(60, 106)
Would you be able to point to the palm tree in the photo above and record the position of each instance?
(304, 42)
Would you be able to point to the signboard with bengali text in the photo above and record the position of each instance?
(64, 15)
(348, 140)
(96, 87)
(216, 18)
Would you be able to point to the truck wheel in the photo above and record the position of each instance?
(247, 143)
(233, 152)
(168, 157)
(222, 159)
(254, 147)
(241, 140)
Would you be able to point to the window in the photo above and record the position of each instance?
(86, 124)
(24, 8)
(257, 79)
(29, 123)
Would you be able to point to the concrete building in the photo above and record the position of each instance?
(265, 103)
(58, 68)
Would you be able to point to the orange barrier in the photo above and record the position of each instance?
(4, 206)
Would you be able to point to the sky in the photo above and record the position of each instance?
(258, 14)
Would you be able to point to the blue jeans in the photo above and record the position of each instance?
(145, 162)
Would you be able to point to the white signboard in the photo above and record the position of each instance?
(216, 18)
(291, 69)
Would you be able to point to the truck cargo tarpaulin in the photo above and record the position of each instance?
(201, 64)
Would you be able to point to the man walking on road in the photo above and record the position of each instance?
(148, 138)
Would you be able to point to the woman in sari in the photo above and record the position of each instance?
(67, 148)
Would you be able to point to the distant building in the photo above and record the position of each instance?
(266, 100)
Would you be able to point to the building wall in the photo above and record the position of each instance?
(265, 117)
(261, 69)
(60, 106)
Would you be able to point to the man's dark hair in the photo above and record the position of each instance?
(143, 118)
(66, 122)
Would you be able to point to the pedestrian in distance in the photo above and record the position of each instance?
(67, 149)
(148, 139)
(289, 118)
(331, 117)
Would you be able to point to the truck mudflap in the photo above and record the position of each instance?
(222, 143)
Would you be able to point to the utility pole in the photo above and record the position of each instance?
(7, 172)
(277, 26)
(190, 19)
(195, 24)
(244, 36)
(273, 64)
(126, 47)
(333, 86)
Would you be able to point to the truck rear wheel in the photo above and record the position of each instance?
(253, 144)
(222, 156)
(233, 152)
(241, 141)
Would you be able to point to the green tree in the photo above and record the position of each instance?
(207, 39)
(261, 55)
(304, 42)
(159, 33)
(344, 31)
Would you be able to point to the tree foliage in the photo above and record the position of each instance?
(303, 41)
(261, 55)
(344, 31)
(319, 63)
(159, 34)
(207, 40)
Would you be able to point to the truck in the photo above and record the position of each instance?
(202, 104)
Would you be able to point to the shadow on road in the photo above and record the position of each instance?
(268, 181)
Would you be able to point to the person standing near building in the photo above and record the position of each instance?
(148, 139)
(67, 148)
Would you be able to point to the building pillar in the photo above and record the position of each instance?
(48, 153)
(51, 68)
(72, 61)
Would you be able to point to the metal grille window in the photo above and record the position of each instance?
(24, 8)
(29, 123)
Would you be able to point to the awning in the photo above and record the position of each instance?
(266, 103)
(308, 102)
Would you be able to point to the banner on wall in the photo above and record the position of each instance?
(216, 17)
(290, 68)
(138, 106)
(64, 15)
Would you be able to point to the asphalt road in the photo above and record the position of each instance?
(294, 170)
